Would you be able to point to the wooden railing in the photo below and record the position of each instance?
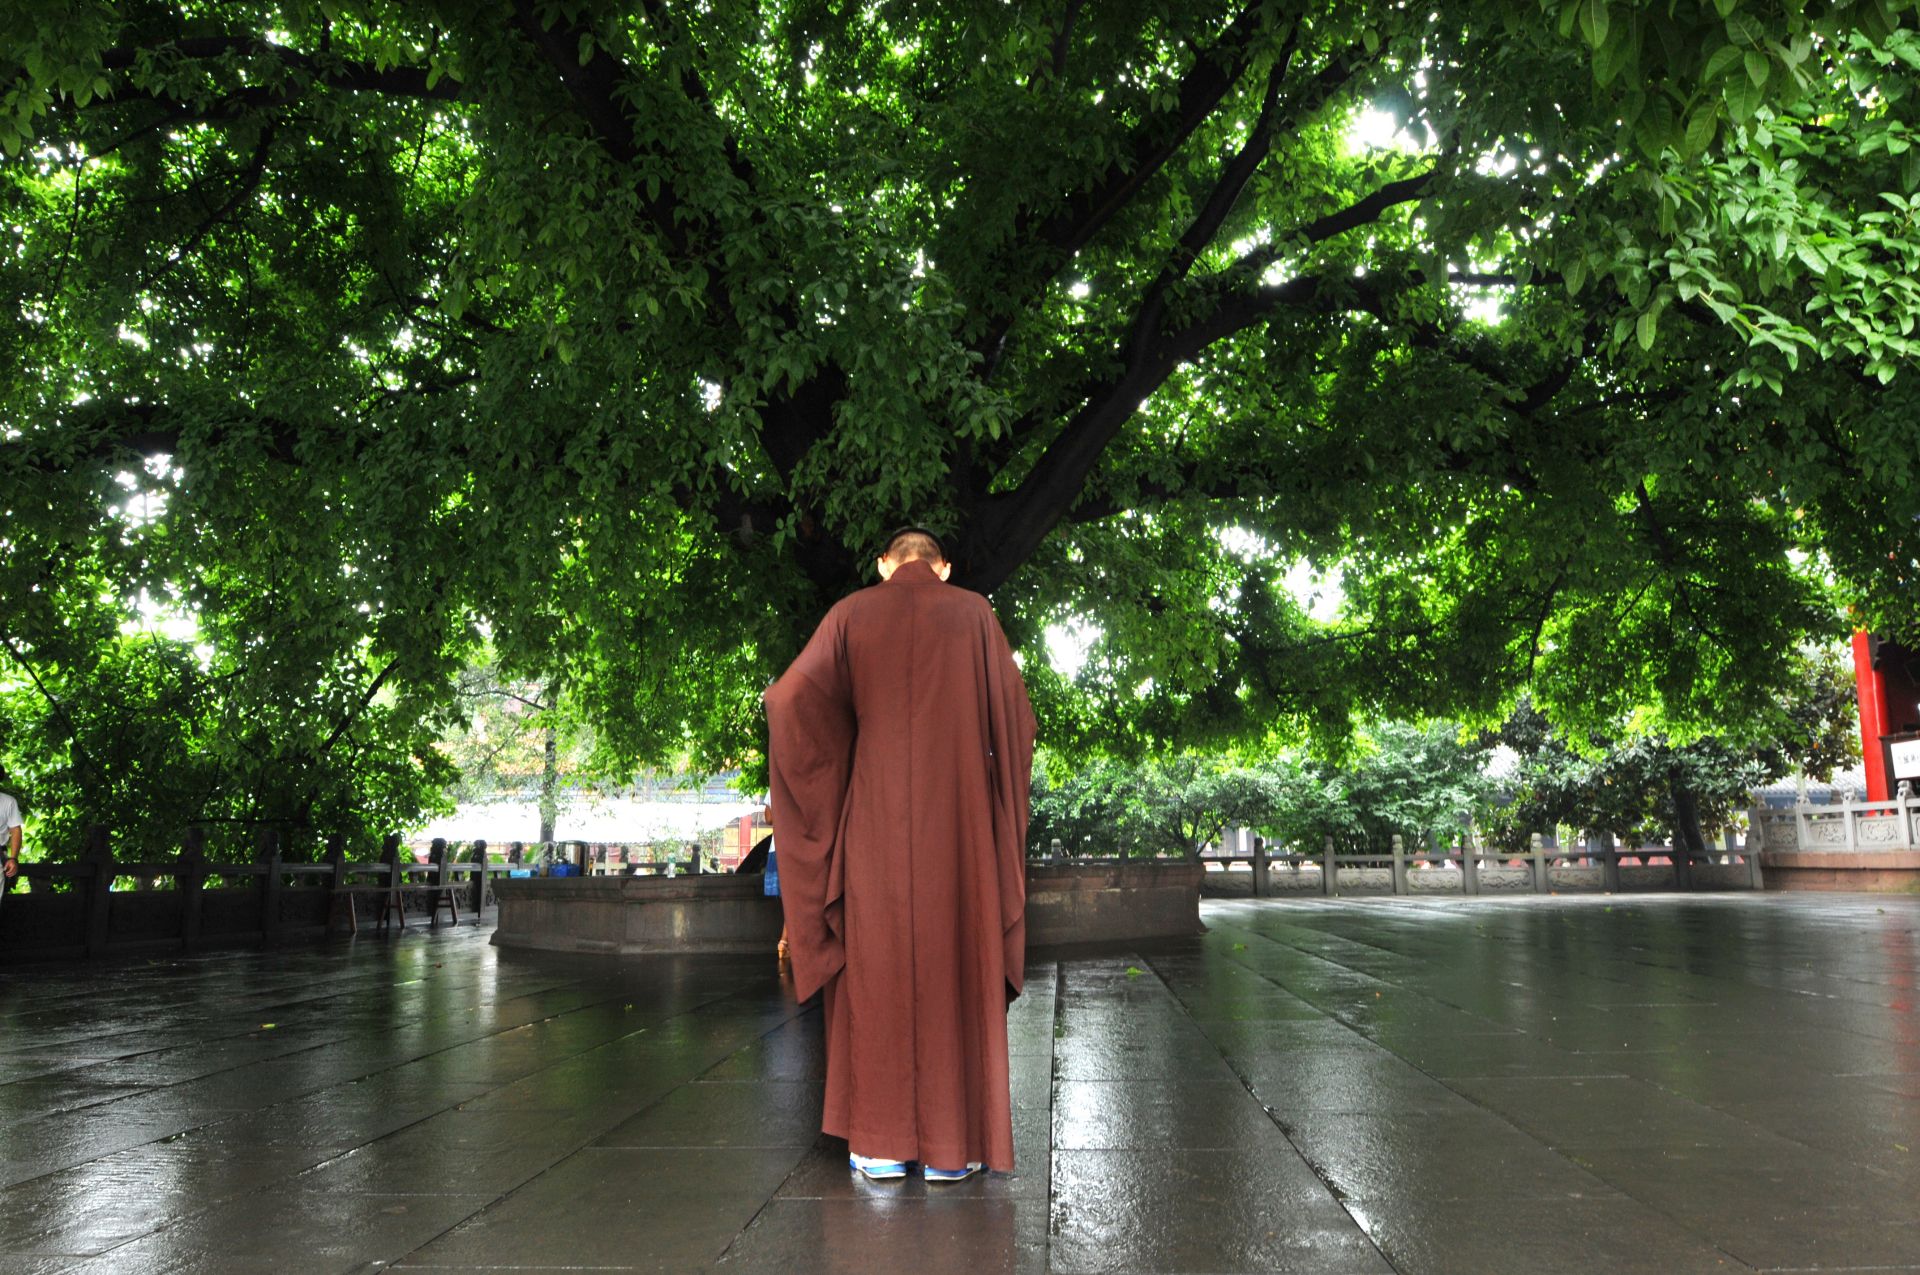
(100, 904)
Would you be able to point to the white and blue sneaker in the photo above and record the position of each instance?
(952, 1175)
(877, 1169)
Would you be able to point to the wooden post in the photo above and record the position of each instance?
(1327, 869)
(270, 886)
(190, 878)
(99, 912)
(1262, 883)
(1469, 865)
(479, 878)
(336, 857)
(1537, 860)
(1399, 865)
(394, 904)
(441, 863)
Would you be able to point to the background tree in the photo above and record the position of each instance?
(629, 328)
(1648, 788)
(1397, 779)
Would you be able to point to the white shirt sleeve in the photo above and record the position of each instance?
(9, 813)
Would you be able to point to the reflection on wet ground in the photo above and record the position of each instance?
(1658, 1084)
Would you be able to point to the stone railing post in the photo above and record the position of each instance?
(1399, 865)
(270, 885)
(1262, 882)
(99, 913)
(1469, 865)
(1750, 850)
(1537, 862)
(190, 878)
(1682, 857)
(479, 878)
(1328, 869)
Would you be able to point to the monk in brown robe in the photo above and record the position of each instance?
(901, 747)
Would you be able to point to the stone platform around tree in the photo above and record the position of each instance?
(1067, 903)
(1661, 1084)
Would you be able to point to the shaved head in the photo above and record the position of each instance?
(913, 544)
(909, 543)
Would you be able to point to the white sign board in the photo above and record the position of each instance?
(1905, 755)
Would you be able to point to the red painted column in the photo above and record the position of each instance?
(1871, 689)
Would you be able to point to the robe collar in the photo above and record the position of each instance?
(914, 571)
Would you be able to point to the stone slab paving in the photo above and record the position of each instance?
(1661, 1084)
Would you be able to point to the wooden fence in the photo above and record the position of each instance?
(100, 905)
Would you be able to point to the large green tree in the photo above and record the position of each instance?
(627, 329)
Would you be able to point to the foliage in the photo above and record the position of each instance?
(139, 734)
(1410, 780)
(1646, 789)
(626, 330)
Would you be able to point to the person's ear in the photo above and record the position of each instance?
(886, 568)
(944, 570)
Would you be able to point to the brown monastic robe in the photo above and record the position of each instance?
(901, 752)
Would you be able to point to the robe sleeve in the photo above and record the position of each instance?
(1010, 731)
(810, 736)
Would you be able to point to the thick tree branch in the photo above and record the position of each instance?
(1011, 527)
(1213, 74)
(1220, 202)
(594, 88)
(1072, 225)
(243, 188)
(696, 92)
(1055, 64)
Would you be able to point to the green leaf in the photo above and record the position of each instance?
(1759, 67)
(1701, 127)
(1722, 60)
(1743, 98)
(1576, 276)
(1646, 327)
(1593, 21)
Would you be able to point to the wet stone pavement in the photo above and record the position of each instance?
(1660, 1084)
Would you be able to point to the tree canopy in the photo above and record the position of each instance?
(617, 335)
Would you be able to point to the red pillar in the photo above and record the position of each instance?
(1871, 688)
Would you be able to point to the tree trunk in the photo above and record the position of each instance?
(1686, 818)
(1688, 840)
(550, 786)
